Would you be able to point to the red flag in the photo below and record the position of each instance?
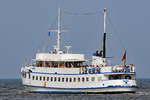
(124, 57)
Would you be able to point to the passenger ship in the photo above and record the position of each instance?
(65, 72)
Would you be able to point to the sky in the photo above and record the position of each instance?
(24, 28)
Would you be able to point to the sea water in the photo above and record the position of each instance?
(12, 89)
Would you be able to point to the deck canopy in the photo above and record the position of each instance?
(60, 57)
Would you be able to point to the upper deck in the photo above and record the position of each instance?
(59, 60)
(107, 70)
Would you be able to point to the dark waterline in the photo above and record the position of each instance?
(12, 89)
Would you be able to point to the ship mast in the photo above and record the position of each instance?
(58, 32)
(104, 38)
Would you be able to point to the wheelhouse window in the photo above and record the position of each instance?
(73, 64)
(39, 63)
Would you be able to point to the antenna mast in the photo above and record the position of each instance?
(59, 31)
(104, 38)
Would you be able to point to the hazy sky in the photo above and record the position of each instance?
(24, 25)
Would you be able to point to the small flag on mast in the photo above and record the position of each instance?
(49, 33)
(124, 57)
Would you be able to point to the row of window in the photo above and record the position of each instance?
(62, 79)
(59, 79)
(55, 64)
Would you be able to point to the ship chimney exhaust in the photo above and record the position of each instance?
(104, 37)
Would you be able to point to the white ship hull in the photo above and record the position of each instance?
(99, 90)
(42, 82)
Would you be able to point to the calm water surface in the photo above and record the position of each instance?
(13, 90)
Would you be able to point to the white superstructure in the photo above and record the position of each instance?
(60, 72)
